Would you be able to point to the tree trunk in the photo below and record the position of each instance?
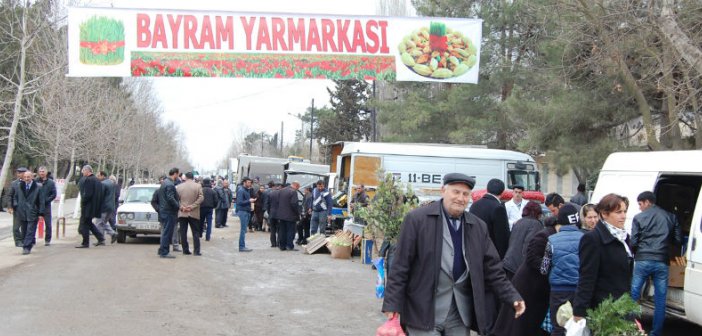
(677, 37)
(673, 127)
(19, 97)
(71, 165)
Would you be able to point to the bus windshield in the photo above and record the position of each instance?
(527, 179)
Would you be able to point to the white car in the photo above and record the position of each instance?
(136, 215)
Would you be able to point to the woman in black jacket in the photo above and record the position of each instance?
(522, 232)
(532, 286)
(605, 257)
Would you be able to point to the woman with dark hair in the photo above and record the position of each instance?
(532, 286)
(522, 232)
(588, 217)
(606, 260)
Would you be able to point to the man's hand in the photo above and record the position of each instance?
(519, 308)
(329, 218)
(252, 200)
(390, 315)
(10, 210)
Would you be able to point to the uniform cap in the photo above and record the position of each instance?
(459, 178)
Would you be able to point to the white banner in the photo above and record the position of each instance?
(114, 42)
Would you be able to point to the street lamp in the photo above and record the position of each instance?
(311, 128)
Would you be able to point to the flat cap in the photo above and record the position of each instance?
(21, 170)
(459, 178)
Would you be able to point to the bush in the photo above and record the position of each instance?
(386, 212)
(612, 317)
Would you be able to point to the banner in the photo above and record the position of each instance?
(110, 42)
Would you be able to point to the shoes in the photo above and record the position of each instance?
(176, 249)
(100, 243)
(167, 256)
(218, 227)
(225, 225)
(25, 251)
(47, 244)
(304, 242)
(82, 246)
(274, 245)
(283, 249)
(18, 244)
(186, 252)
(293, 249)
(198, 254)
(245, 249)
(114, 238)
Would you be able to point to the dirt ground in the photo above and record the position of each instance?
(125, 289)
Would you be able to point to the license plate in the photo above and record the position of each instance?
(149, 226)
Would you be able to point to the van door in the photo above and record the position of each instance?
(693, 272)
(625, 183)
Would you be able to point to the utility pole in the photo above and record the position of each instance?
(281, 137)
(311, 128)
(374, 116)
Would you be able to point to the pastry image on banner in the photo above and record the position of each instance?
(438, 52)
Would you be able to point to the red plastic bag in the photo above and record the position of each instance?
(391, 327)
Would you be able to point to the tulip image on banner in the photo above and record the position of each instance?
(102, 41)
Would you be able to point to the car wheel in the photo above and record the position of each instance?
(121, 237)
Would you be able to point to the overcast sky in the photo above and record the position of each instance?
(211, 112)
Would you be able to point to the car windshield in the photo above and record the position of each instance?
(528, 179)
(140, 194)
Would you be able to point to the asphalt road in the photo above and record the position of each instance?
(125, 289)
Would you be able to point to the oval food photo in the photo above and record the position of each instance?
(438, 52)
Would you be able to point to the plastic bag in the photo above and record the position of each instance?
(565, 312)
(379, 264)
(391, 327)
(577, 328)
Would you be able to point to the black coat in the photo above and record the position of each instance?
(605, 269)
(533, 287)
(30, 203)
(273, 200)
(49, 188)
(522, 232)
(288, 207)
(417, 263)
(494, 214)
(167, 199)
(91, 196)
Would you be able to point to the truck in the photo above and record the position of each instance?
(423, 166)
(675, 177)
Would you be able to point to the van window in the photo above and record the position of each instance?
(528, 179)
(678, 195)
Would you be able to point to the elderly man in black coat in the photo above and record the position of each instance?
(30, 205)
(91, 202)
(443, 263)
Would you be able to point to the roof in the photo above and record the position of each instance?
(663, 161)
(435, 150)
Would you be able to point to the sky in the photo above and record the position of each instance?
(212, 112)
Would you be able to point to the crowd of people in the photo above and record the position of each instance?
(458, 268)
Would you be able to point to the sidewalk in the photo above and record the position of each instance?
(6, 218)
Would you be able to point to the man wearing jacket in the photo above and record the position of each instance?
(288, 214)
(49, 188)
(108, 206)
(321, 209)
(224, 201)
(30, 205)
(91, 197)
(243, 210)
(168, 207)
(17, 232)
(653, 231)
(443, 261)
(493, 213)
(562, 262)
(191, 197)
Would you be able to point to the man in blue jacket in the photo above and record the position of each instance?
(562, 262)
(243, 210)
(321, 208)
(653, 231)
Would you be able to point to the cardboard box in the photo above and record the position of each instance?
(340, 252)
(367, 251)
(676, 276)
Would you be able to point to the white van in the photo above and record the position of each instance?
(675, 177)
